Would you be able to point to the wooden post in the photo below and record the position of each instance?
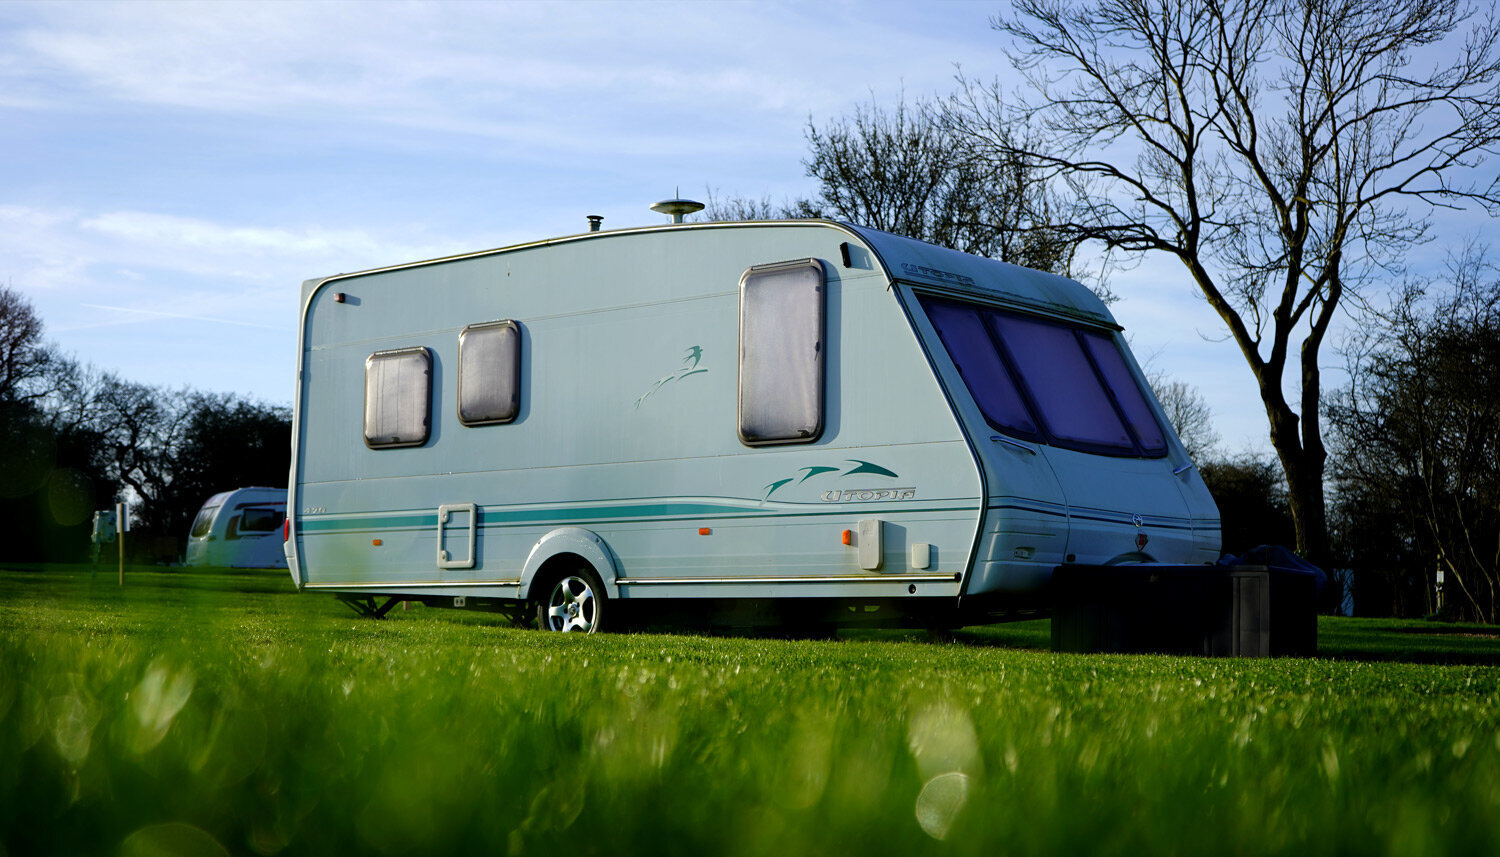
(120, 537)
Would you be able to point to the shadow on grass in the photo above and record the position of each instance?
(1423, 642)
(1408, 641)
(1339, 639)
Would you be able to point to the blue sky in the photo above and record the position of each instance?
(173, 171)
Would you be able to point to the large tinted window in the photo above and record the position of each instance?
(781, 353)
(1127, 393)
(1045, 380)
(968, 342)
(1067, 394)
(398, 397)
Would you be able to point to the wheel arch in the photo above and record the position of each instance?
(564, 546)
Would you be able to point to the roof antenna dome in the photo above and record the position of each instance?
(675, 208)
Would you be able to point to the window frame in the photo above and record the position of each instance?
(516, 376)
(820, 349)
(391, 354)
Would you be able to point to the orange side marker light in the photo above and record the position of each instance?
(376, 542)
(703, 531)
(848, 537)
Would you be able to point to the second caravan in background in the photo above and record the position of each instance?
(239, 529)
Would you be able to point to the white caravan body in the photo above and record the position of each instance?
(240, 529)
(790, 409)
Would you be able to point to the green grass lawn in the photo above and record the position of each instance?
(201, 714)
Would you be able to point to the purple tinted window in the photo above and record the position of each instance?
(1071, 401)
(984, 374)
(1127, 392)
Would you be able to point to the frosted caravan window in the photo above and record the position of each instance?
(968, 343)
(1127, 392)
(1069, 397)
(398, 398)
(489, 373)
(781, 353)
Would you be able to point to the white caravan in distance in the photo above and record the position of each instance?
(240, 529)
(789, 419)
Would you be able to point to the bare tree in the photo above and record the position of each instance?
(1189, 414)
(141, 426)
(1418, 434)
(23, 355)
(904, 170)
(725, 208)
(1287, 152)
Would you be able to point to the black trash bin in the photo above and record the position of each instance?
(1212, 611)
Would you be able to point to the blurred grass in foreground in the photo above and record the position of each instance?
(198, 714)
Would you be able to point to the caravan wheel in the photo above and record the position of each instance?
(573, 603)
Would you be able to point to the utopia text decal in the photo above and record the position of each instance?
(869, 496)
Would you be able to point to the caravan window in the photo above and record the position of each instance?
(1067, 394)
(1127, 393)
(781, 353)
(1048, 381)
(204, 522)
(489, 373)
(261, 520)
(398, 398)
(967, 340)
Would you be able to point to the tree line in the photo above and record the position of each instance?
(75, 439)
(1290, 155)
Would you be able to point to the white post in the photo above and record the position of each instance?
(120, 537)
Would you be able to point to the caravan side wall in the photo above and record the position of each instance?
(625, 443)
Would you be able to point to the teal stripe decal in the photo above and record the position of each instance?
(662, 512)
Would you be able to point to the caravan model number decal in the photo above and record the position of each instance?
(869, 496)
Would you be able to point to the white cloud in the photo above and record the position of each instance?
(523, 73)
(172, 235)
(176, 165)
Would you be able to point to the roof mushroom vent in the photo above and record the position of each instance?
(674, 209)
(595, 221)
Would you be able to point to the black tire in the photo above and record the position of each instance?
(572, 602)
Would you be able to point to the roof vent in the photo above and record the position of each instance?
(674, 209)
(594, 221)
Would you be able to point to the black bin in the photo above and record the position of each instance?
(1213, 611)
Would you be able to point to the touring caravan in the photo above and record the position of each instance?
(724, 416)
(239, 529)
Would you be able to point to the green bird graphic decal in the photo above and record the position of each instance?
(771, 489)
(860, 468)
(814, 471)
(867, 467)
(689, 367)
